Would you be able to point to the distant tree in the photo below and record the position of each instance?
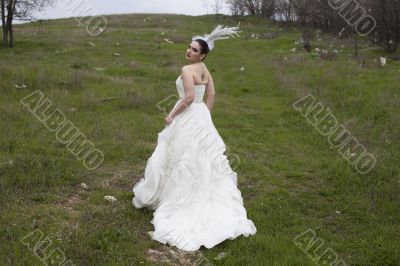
(17, 9)
(286, 10)
(3, 22)
(264, 8)
(387, 16)
(347, 18)
(236, 7)
(268, 8)
(217, 7)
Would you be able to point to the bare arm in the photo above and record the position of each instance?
(210, 93)
(188, 85)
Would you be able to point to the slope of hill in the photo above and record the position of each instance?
(292, 180)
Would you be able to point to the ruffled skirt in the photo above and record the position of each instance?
(189, 183)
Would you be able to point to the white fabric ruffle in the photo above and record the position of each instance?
(190, 185)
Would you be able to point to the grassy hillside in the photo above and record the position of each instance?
(290, 178)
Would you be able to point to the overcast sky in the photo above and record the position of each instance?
(66, 8)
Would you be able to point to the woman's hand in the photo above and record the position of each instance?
(168, 120)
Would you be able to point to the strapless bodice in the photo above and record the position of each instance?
(198, 89)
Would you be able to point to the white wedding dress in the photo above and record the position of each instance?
(189, 183)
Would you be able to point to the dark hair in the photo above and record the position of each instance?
(204, 49)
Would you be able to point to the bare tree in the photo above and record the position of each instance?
(236, 7)
(264, 8)
(319, 14)
(3, 22)
(217, 7)
(268, 8)
(253, 7)
(387, 16)
(17, 9)
(286, 10)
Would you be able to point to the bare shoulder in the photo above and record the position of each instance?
(203, 71)
(207, 74)
(187, 70)
(199, 72)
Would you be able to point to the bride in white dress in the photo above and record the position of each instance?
(188, 180)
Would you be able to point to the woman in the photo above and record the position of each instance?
(188, 180)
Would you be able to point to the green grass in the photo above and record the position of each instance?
(290, 178)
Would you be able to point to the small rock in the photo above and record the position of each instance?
(220, 256)
(10, 162)
(154, 252)
(174, 253)
(111, 199)
(84, 186)
(117, 54)
(134, 64)
(338, 212)
(242, 68)
(35, 223)
(100, 68)
(23, 86)
(107, 99)
(382, 61)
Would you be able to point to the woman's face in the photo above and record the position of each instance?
(193, 52)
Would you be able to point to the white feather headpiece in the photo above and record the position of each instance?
(218, 34)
